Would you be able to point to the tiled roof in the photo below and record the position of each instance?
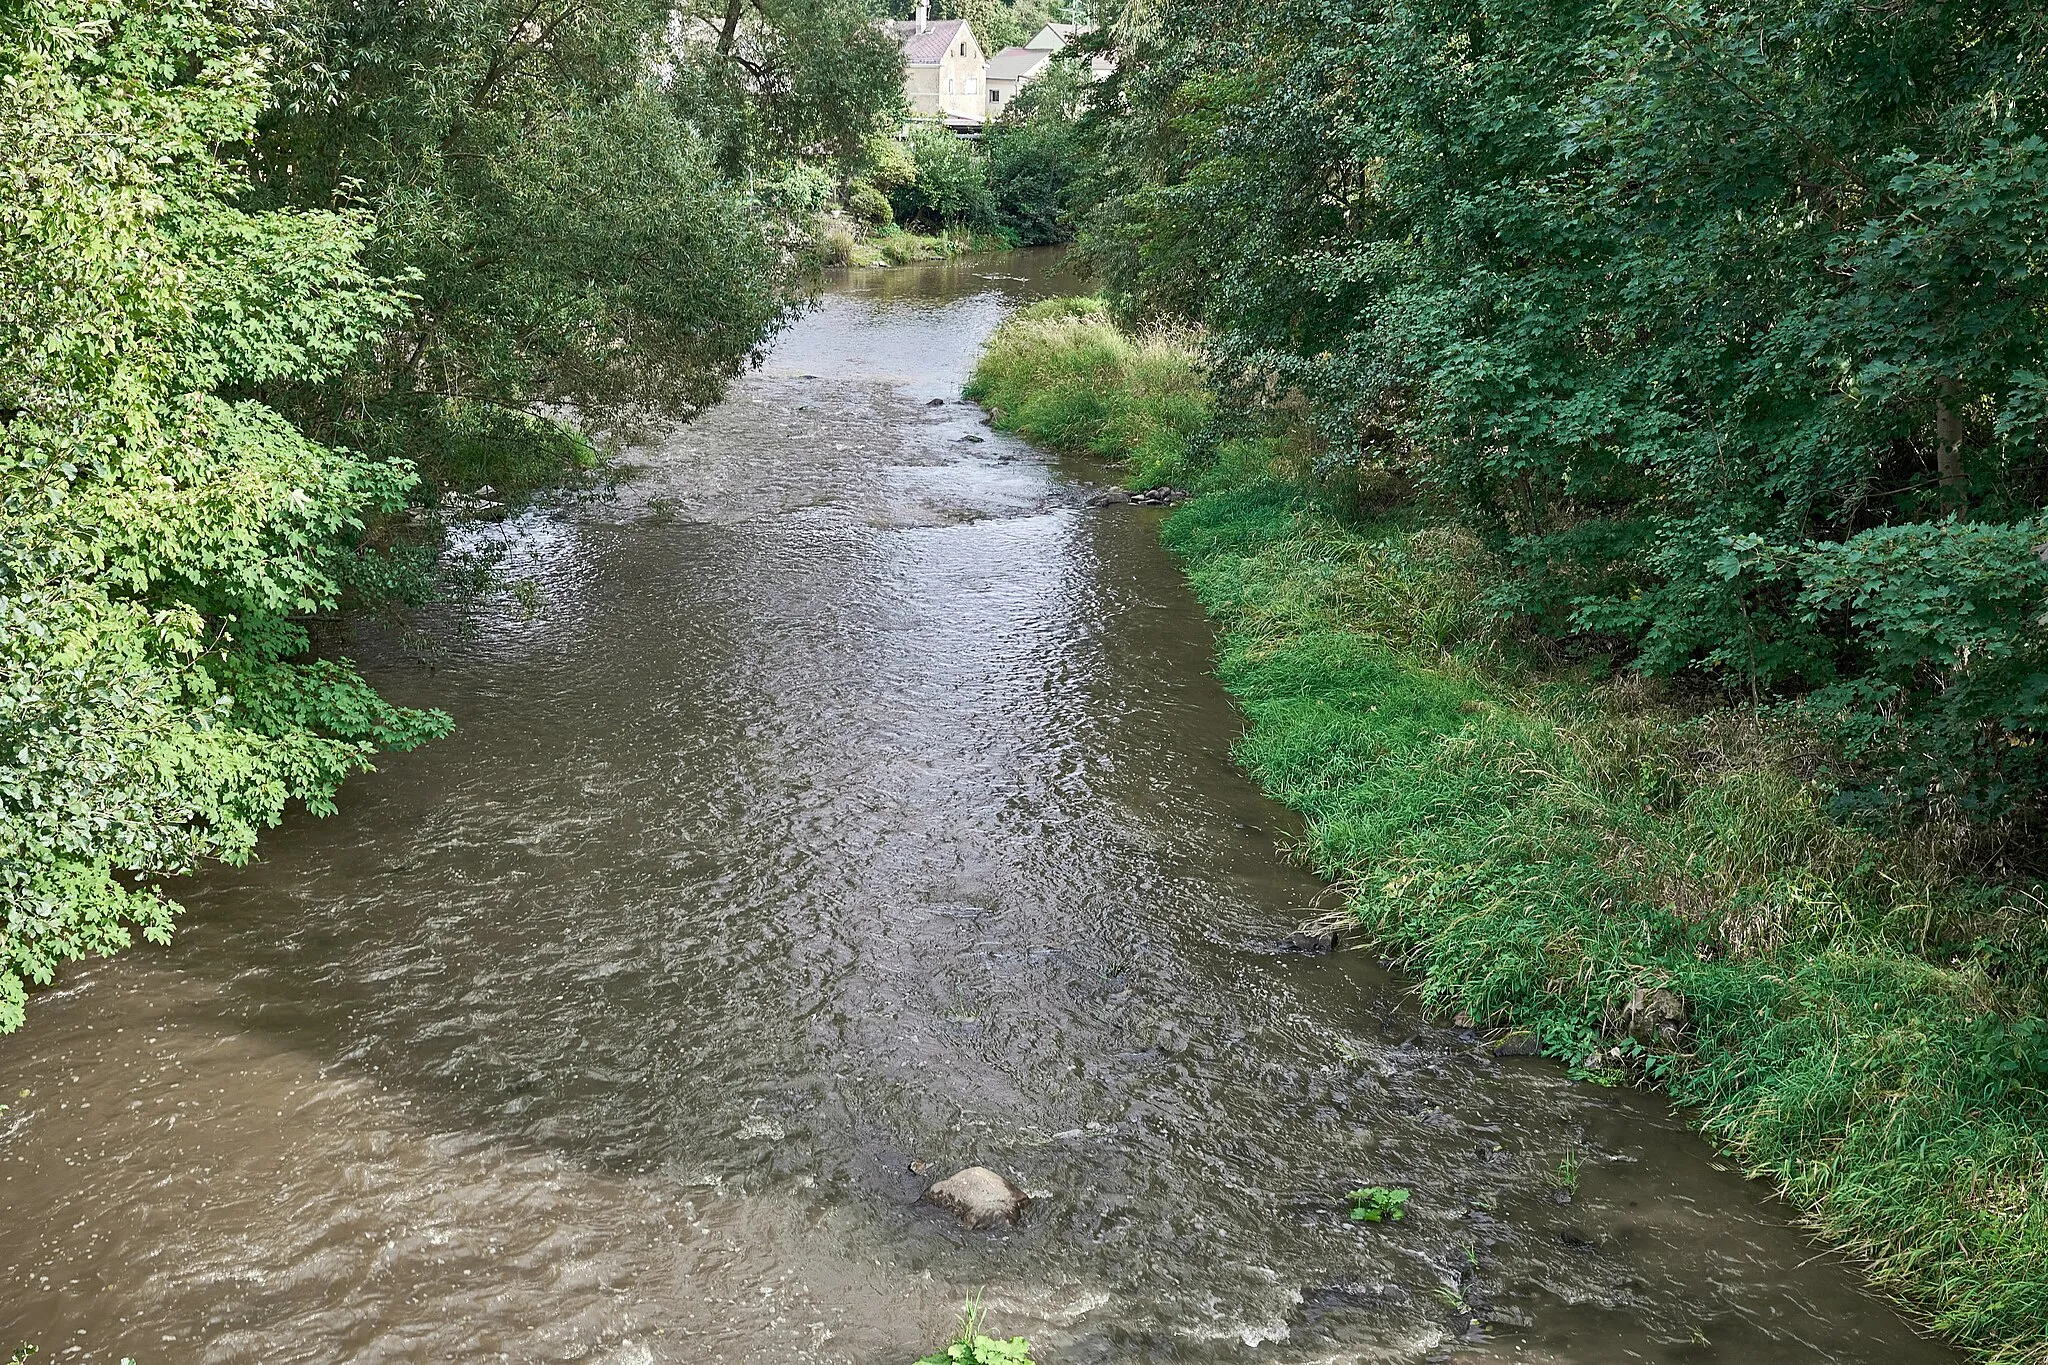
(925, 49)
(1015, 63)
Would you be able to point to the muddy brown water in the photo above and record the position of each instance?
(848, 795)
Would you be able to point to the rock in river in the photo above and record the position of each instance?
(1517, 1043)
(1317, 942)
(982, 1198)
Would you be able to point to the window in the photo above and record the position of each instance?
(970, 85)
(995, 96)
(949, 85)
(963, 49)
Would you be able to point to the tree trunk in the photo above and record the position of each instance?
(1948, 440)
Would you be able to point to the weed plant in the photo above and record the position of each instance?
(1377, 1204)
(970, 1346)
(1862, 1015)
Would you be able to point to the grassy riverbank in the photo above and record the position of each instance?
(1655, 889)
(842, 244)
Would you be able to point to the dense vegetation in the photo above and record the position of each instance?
(276, 275)
(1655, 890)
(1720, 324)
(1016, 188)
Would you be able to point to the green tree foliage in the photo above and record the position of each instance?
(1034, 155)
(595, 204)
(775, 79)
(162, 534)
(948, 187)
(1722, 321)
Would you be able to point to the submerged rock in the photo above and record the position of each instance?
(1317, 942)
(936, 403)
(1516, 1044)
(1109, 497)
(982, 1198)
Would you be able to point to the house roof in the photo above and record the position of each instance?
(926, 48)
(1015, 63)
(1053, 37)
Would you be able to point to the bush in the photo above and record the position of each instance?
(949, 187)
(868, 205)
(1948, 686)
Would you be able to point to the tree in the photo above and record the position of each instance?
(1034, 155)
(590, 201)
(162, 534)
(949, 188)
(1664, 300)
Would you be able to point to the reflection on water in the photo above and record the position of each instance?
(855, 797)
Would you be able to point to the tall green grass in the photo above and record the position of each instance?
(1862, 1010)
(1062, 374)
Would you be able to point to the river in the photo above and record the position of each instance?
(848, 801)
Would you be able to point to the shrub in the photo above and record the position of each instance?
(1947, 693)
(868, 205)
(950, 185)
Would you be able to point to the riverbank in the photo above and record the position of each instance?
(845, 244)
(1653, 890)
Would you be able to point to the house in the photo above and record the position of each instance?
(943, 69)
(1053, 37)
(1010, 71)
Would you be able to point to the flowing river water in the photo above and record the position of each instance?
(848, 795)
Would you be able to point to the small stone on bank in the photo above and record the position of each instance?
(982, 1198)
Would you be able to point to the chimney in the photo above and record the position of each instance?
(924, 15)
